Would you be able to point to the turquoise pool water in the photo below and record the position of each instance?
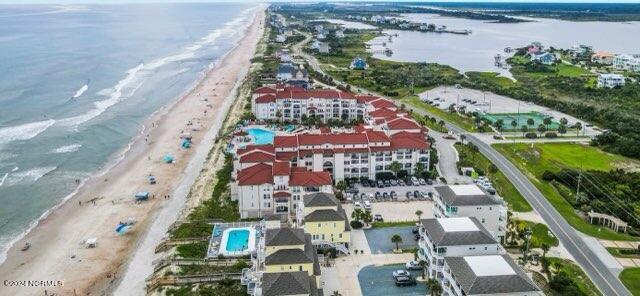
(261, 136)
(238, 240)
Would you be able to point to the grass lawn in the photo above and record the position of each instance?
(570, 71)
(540, 235)
(393, 224)
(464, 122)
(575, 272)
(630, 277)
(503, 186)
(554, 156)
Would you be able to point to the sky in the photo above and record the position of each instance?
(246, 1)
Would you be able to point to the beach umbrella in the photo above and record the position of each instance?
(168, 158)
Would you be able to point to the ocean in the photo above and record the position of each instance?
(78, 81)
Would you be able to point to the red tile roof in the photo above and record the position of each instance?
(282, 194)
(264, 90)
(364, 99)
(249, 148)
(339, 139)
(257, 156)
(383, 113)
(407, 140)
(382, 103)
(285, 141)
(402, 124)
(268, 98)
(286, 156)
(307, 178)
(377, 136)
(297, 93)
(281, 168)
(255, 175)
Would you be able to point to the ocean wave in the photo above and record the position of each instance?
(3, 179)
(80, 91)
(25, 131)
(28, 176)
(66, 149)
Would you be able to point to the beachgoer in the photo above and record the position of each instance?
(80, 203)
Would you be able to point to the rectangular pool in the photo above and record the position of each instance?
(238, 241)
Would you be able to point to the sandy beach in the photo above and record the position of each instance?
(60, 263)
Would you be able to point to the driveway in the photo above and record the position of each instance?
(447, 159)
(379, 239)
(378, 280)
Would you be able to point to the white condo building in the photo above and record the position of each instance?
(626, 62)
(610, 80)
(442, 237)
(471, 201)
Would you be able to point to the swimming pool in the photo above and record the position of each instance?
(238, 241)
(261, 136)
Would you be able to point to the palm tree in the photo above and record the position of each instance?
(530, 122)
(473, 149)
(423, 266)
(578, 127)
(547, 122)
(562, 129)
(434, 287)
(357, 214)
(418, 213)
(545, 248)
(336, 293)
(366, 217)
(564, 121)
(395, 167)
(514, 125)
(341, 185)
(419, 169)
(499, 124)
(396, 239)
(524, 129)
(541, 129)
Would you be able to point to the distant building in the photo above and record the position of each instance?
(324, 47)
(486, 275)
(626, 62)
(285, 71)
(281, 38)
(339, 33)
(315, 44)
(470, 201)
(321, 36)
(610, 80)
(578, 50)
(545, 58)
(602, 57)
(359, 64)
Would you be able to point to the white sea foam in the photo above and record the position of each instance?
(24, 132)
(28, 176)
(80, 91)
(3, 179)
(66, 149)
(15, 169)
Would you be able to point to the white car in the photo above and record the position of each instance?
(357, 205)
(367, 205)
(413, 265)
(401, 272)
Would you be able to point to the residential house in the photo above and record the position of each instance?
(626, 62)
(285, 71)
(579, 50)
(339, 33)
(359, 64)
(471, 201)
(281, 38)
(445, 237)
(546, 58)
(294, 283)
(324, 47)
(602, 57)
(610, 80)
(322, 216)
(315, 44)
(486, 275)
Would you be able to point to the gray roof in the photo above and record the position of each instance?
(441, 238)
(472, 284)
(284, 237)
(288, 283)
(286, 68)
(329, 215)
(320, 199)
(452, 199)
(297, 256)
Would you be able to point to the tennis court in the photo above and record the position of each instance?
(521, 119)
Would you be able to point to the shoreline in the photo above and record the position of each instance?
(55, 222)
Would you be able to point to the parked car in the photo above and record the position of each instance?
(429, 182)
(385, 195)
(378, 218)
(405, 281)
(352, 190)
(491, 190)
(380, 184)
(393, 194)
(422, 181)
(401, 272)
(409, 195)
(365, 183)
(378, 195)
(409, 183)
(387, 183)
(417, 194)
(413, 265)
(357, 205)
(415, 230)
(367, 205)
(394, 183)
(401, 182)
(414, 180)
(425, 193)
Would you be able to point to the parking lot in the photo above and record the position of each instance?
(397, 211)
(378, 280)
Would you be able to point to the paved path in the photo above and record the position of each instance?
(447, 159)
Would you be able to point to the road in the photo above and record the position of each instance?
(601, 276)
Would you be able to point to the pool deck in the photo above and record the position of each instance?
(343, 275)
(215, 242)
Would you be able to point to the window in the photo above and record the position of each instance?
(483, 220)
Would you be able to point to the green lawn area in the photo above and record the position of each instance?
(534, 160)
(463, 122)
(630, 277)
(503, 186)
(575, 272)
(541, 235)
(618, 252)
(570, 71)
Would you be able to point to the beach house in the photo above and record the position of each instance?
(626, 62)
(359, 64)
(339, 33)
(602, 57)
(442, 237)
(323, 47)
(486, 275)
(471, 201)
(281, 38)
(610, 80)
(545, 58)
(321, 215)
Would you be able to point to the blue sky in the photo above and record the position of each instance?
(188, 1)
